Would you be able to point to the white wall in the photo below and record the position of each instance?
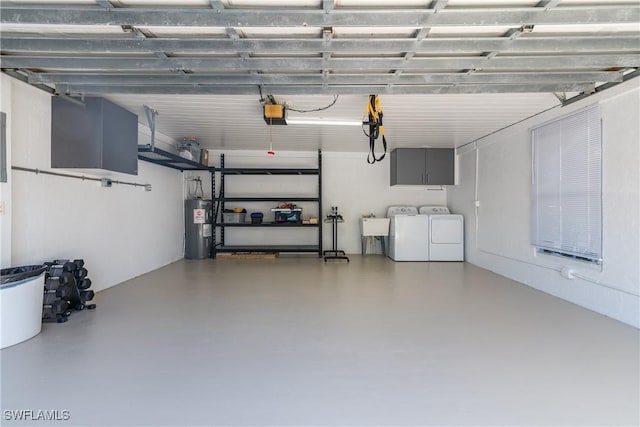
(348, 182)
(496, 171)
(5, 188)
(121, 232)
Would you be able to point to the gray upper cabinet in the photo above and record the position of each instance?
(99, 135)
(423, 166)
(440, 166)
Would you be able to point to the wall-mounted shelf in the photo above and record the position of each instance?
(264, 224)
(271, 171)
(267, 199)
(268, 248)
(161, 157)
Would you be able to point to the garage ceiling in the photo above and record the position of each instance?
(448, 72)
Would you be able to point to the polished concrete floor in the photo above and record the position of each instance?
(296, 341)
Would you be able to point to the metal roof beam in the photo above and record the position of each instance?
(217, 5)
(548, 4)
(515, 63)
(420, 35)
(483, 16)
(335, 79)
(436, 5)
(320, 89)
(572, 44)
(105, 4)
(439, 4)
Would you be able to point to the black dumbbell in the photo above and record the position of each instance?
(53, 283)
(50, 317)
(79, 263)
(86, 296)
(57, 307)
(49, 298)
(68, 278)
(65, 292)
(58, 269)
(80, 273)
(83, 283)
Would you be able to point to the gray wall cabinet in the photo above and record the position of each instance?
(423, 166)
(100, 135)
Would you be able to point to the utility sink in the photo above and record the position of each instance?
(374, 226)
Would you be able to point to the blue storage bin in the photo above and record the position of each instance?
(256, 217)
(287, 215)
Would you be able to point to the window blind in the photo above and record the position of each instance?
(567, 185)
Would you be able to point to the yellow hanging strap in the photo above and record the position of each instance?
(374, 111)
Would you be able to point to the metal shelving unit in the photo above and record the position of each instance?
(152, 154)
(221, 199)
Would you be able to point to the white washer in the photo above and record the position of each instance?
(445, 235)
(407, 231)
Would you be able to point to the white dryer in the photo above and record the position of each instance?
(407, 234)
(445, 235)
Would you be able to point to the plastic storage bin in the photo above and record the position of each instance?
(189, 148)
(256, 217)
(22, 290)
(233, 217)
(287, 215)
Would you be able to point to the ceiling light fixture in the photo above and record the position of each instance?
(320, 121)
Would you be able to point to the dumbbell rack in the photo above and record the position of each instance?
(66, 288)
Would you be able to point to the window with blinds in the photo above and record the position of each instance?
(567, 186)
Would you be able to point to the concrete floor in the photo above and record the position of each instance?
(296, 341)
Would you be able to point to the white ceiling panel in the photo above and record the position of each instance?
(599, 29)
(162, 3)
(62, 30)
(236, 122)
(477, 31)
(247, 4)
(597, 2)
(374, 32)
(491, 3)
(276, 32)
(167, 31)
(382, 3)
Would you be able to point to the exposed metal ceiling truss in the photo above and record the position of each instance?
(216, 48)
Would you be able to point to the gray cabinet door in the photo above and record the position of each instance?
(99, 135)
(440, 166)
(408, 166)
